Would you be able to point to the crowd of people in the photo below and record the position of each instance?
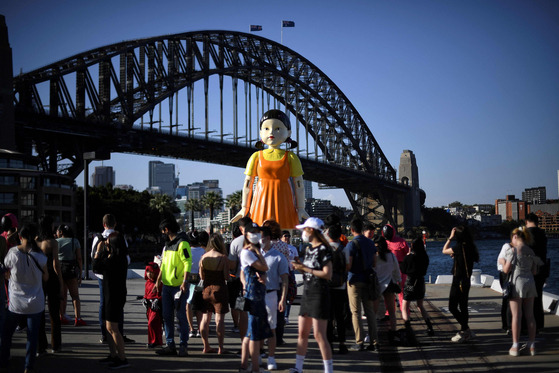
(198, 276)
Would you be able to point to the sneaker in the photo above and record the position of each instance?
(372, 347)
(286, 321)
(357, 347)
(118, 364)
(367, 339)
(191, 334)
(514, 351)
(198, 335)
(128, 340)
(183, 351)
(167, 351)
(79, 322)
(272, 364)
(460, 337)
(109, 359)
(103, 340)
(532, 351)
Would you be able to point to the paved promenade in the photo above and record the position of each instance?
(487, 353)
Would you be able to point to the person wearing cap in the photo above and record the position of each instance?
(315, 303)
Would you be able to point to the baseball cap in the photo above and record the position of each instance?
(314, 223)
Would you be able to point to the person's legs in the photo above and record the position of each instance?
(243, 324)
(64, 299)
(33, 326)
(516, 311)
(117, 340)
(10, 325)
(305, 324)
(74, 293)
(102, 325)
(538, 302)
(181, 316)
(369, 310)
(405, 310)
(454, 299)
(528, 311)
(220, 330)
(463, 302)
(319, 331)
(54, 313)
(168, 308)
(353, 294)
(391, 308)
(205, 331)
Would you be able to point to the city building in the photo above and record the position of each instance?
(162, 178)
(30, 193)
(308, 189)
(534, 195)
(102, 176)
(511, 208)
(548, 214)
(124, 187)
(319, 208)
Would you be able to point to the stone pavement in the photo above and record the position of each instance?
(488, 352)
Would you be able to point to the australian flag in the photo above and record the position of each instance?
(287, 24)
(255, 28)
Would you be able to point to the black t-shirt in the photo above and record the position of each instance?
(540, 242)
(463, 261)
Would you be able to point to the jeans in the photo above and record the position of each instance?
(170, 306)
(358, 294)
(33, 325)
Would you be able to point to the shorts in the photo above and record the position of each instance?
(414, 289)
(233, 289)
(272, 308)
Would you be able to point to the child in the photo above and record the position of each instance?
(153, 306)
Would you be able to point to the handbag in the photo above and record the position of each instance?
(242, 304)
(508, 286)
(393, 288)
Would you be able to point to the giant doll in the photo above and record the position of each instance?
(279, 193)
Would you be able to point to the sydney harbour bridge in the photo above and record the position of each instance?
(199, 96)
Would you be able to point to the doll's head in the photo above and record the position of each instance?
(152, 271)
(275, 129)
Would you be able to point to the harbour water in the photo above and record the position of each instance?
(488, 251)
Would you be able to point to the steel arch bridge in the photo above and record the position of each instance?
(112, 98)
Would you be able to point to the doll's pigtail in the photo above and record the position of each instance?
(292, 143)
(259, 145)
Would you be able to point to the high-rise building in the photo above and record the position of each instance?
(102, 176)
(511, 208)
(534, 195)
(162, 178)
(308, 189)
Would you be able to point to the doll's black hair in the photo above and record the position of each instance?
(284, 118)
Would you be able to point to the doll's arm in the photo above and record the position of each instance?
(300, 197)
(247, 189)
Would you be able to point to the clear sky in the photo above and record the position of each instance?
(471, 87)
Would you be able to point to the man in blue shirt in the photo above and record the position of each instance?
(362, 260)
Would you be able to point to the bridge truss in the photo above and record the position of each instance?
(124, 97)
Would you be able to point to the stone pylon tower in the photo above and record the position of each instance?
(408, 174)
(7, 121)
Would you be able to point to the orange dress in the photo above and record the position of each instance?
(273, 197)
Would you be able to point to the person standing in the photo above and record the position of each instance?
(52, 288)
(70, 257)
(3, 292)
(240, 318)
(315, 303)
(28, 270)
(276, 288)
(172, 284)
(111, 261)
(292, 287)
(539, 245)
(505, 309)
(362, 262)
(523, 262)
(465, 253)
(109, 225)
(399, 248)
(415, 266)
(197, 252)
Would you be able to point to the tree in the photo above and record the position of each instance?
(234, 201)
(455, 204)
(163, 204)
(192, 204)
(212, 200)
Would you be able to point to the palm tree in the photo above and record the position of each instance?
(212, 200)
(193, 204)
(234, 201)
(161, 203)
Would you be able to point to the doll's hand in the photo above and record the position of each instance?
(303, 215)
(239, 215)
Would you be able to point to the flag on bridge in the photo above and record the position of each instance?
(255, 28)
(287, 24)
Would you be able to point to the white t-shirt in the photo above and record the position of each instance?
(502, 255)
(235, 253)
(247, 258)
(26, 281)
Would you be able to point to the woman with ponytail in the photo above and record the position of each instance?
(274, 198)
(27, 267)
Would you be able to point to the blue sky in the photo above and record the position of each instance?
(471, 87)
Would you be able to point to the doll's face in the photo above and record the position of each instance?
(274, 133)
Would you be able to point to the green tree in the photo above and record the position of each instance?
(234, 201)
(213, 201)
(163, 204)
(455, 204)
(193, 204)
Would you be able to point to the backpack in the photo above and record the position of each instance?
(339, 272)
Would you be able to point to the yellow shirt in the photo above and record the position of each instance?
(276, 155)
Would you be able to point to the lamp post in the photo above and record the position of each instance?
(88, 157)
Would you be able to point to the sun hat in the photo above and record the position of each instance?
(314, 223)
